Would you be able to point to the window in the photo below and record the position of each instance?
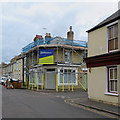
(67, 56)
(69, 76)
(32, 77)
(112, 79)
(113, 37)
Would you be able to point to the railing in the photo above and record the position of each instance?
(54, 40)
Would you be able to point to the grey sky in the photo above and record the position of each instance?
(22, 21)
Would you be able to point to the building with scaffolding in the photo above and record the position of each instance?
(55, 63)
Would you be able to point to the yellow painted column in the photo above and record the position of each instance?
(37, 84)
(42, 83)
(63, 84)
(29, 84)
(69, 86)
(85, 81)
(34, 80)
(32, 83)
(72, 86)
(26, 82)
(56, 82)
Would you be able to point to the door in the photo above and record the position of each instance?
(50, 79)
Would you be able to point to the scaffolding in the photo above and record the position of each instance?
(35, 73)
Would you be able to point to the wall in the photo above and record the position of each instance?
(75, 58)
(119, 65)
(97, 82)
(97, 42)
(97, 78)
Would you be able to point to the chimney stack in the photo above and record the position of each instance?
(38, 37)
(70, 34)
(48, 36)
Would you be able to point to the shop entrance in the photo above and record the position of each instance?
(50, 79)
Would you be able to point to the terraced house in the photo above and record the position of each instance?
(55, 62)
(104, 60)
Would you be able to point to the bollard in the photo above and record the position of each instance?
(63, 84)
(56, 82)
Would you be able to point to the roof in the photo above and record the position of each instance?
(115, 16)
(55, 46)
(56, 41)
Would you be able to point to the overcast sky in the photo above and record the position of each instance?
(21, 21)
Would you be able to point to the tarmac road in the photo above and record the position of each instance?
(22, 103)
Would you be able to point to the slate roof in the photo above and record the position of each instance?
(115, 16)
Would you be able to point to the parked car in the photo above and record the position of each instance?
(3, 80)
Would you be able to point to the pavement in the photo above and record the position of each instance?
(98, 106)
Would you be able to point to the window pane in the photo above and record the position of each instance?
(111, 85)
(116, 43)
(111, 44)
(65, 78)
(73, 78)
(116, 30)
(111, 73)
(110, 32)
(61, 78)
(115, 85)
(39, 77)
(69, 77)
(115, 73)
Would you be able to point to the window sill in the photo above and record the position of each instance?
(112, 94)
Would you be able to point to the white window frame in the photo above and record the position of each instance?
(111, 24)
(68, 57)
(108, 80)
(76, 75)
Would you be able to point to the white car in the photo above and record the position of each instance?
(3, 80)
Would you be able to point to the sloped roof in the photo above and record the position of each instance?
(108, 20)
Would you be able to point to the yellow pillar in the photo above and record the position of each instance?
(63, 84)
(26, 82)
(29, 85)
(42, 82)
(84, 81)
(32, 83)
(56, 82)
(69, 86)
(72, 86)
(37, 83)
(34, 80)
